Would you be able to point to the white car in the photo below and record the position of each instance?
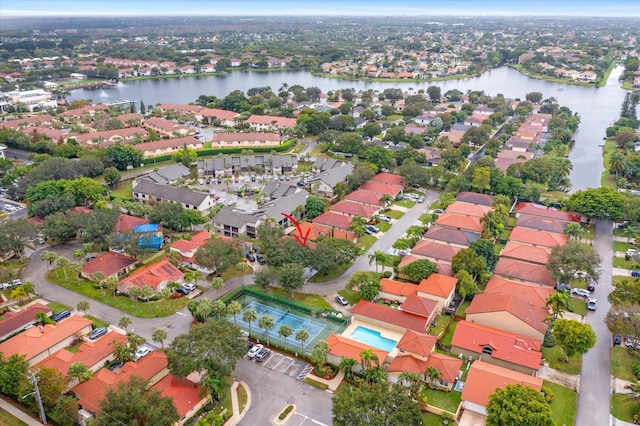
(591, 304)
(581, 292)
(631, 252)
(189, 286)
(142, 351)
(254, 351)
(385, 218)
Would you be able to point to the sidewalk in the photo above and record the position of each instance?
(236, 415)
(333, 383)
(16, 412)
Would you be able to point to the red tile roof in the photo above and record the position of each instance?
(532, 294)
(390, 178)
(272, 120)
(490, 303)
(12, 321)
(420, 306)
(348, 348)
(109, 263)
(457, 221)
(408, 364)
(506, 346)
(126, 223)
(526, 252)
(450, 235)
(475, 198)
(398, 288)
(364, 197)
(485, 378)
(536, 237)
(417, 343)
(515, 269)
(253, 137)
(391, 316)
(189, 246)
(435, 250)
(317, 230)
(381, 188)
(468, 209)
(153, 275)
(190, 141)
(334, 220)
(353, 209)
(448, 367)
(438, 285)
(534, 209)
(184, 392)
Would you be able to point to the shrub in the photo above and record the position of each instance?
(548, 341)
(548, 394)
(636, 368)
(387, 274)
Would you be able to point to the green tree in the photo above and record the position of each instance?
(112, 177)
(123, 156)
(76, 268)
(574, 230)
(331, 253)
(370, 290)
(357, 225)
(558, 302)
(266, 322)
(468, 260)
(249, 316)
(218, 254)
(419, 270)
(186, 156)
(368, 358)
(234, 308)
(594, 203)
(291, 277)
(574, 337)
(486, 249)
(83, 306)
(13, 370)
(124, 323)
(433, 374)
(319, 353)
(314, 206)
(466, 286)
(159, 335)
(62, 263)
(79, 371)
(566, 261)
(219, 307)
(131, 402)
(264, 278)
(378, 256)
(302, 336)
(285, 332)
(346, 366)
(49, 257)
(217, 283)
(516, 405)
(242, 267)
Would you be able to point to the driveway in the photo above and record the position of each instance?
(595, 380)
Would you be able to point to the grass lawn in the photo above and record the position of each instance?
(319, 278)
(232, 272)
(423, 217)
(448, 401)
(7, 419)
(404, 203)
(622, 407)
(463, 308)
(555, 357)
(621, 262)
(315, 384)
(607, 179)
(620, 246)
(365, 242)
(394, 214)
(384, 226)
(124, 190)
(578, 306)
(442, 322)
(446, 339)
(57, 306)
(139, 309)
(430, 419)
(564, 405)
(352, 296)
(242, 397)
(318, 149)
(622, 361)
(97, 322)
(311, 299)
(74, 348)
(619, 278)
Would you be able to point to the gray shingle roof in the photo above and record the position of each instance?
(166, 192)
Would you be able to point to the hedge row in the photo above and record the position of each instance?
(215, 151)
(283, 300)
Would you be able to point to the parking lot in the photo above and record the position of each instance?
(284, 364)
(10, 207)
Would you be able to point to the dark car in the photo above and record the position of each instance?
(219, 181)
(182, 291)
(591, 286)
(563, 287)
(98, 332)
(261, 259)
(116, 365)
(617, 340)
(61, 315)
(635, 274)
(250, 257)
(263, 354)
(249, 345)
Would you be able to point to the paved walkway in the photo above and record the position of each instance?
(236, 415)
(16, 412)
(333, 383)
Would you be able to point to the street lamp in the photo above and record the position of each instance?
(33, 379)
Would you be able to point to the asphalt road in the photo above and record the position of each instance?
(595, 388)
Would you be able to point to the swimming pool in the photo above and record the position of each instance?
(373, 338)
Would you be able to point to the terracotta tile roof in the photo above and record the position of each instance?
(475, 198)
(438, 285)
(365, 197)
(529, 314)
(408, 364)
(526, 252)
(506, 346)
(220, 114)
(398, 288)
(420, 306)
(190, 141)
(390, 315)
(334, 220)
(89, 353)
(317, 230)
(109, 263)
(537, 238)
(381, 188)
(417, 343)
(348, 348)
(533, 294)
(194, 244)
(446, 365)
(534, 209)
(13, 321)
(515, 269)
(468, 209)
(450, 235)
(353, 209)
(127, 223)
(542, 224)
(457, 221)
(389, 178)
(485, 378)
(184, 392)
(253, 137)
(153, 275)
(91, 392)
(435, 250)
(272, 119)
(36, 340)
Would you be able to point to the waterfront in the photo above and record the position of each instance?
(598, 107)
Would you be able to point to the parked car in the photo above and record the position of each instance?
(61, 315)
(183, 291)
(421, 199)
(368, 231)
(631, 252)
(616, 339)
(372, 228)
(142, 351)
(262, 355)
(189, 286)
(635, 274)
(254, 351)
(438, 211)
(116, 365)
(581, 292)
(341, 300)
(591, 286)
(591, 304)
(628, 343)
(249, 345)
(219, 181)
(250, 257)
(98, 332)
(384, 217)
(563, 287)
(261, 259)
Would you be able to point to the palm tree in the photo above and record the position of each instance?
(367, 358)
(266, 322)
(62, 263)
(219, 307)
(434, 374)
(618, 163)
(217, 283)
(78, 254)
(134, 293)
(99, 278)
(249, 316)
(80, 371)
(301, 336)
(193, 276)
(346, 365)
(215, 385)
(242, 267)
(386, 200)
(412, 381)
(630, 232)
(234, 308)
(379, 257)
(285, 331)
(146, 292)
(43, 318)
(83, 306)
(159, 336)
(124, 323)
(358, 225)
(29, 288)
(18, 293)
(49, 257)
(558, 302)
(112, 284)
(165, 294)
(319, 353)
(574, 230)
(76, 268)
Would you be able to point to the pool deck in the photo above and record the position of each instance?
(389, 334)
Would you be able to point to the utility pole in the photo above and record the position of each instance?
(33, 379)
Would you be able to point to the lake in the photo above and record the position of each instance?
(598, 108)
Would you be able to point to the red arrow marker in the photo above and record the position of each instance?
(300, 238)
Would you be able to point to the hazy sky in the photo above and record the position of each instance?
(319, 7)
